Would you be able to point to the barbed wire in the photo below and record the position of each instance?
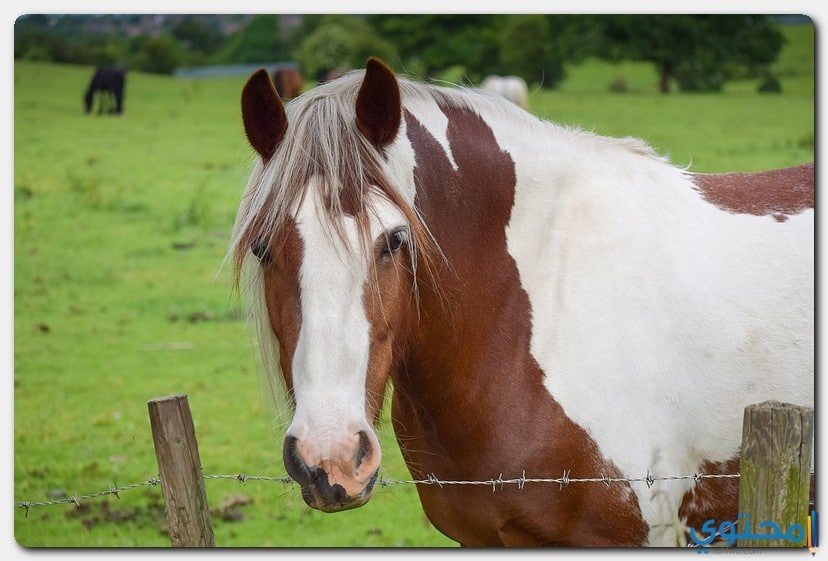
(76, 499)
(562, 481)
(382, 481)
(243, 478)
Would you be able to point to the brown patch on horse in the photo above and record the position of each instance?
(378, 105)
(780, 192)
(712, 498)
(282, 294)
(265, 122)
(389, 303)
(469, 400)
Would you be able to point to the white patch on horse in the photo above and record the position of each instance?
(330, 362)
(655, 317)
(400, 164)
(428, 113)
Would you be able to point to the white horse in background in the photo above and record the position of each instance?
(512, 88)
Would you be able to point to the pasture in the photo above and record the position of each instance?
(121, 226)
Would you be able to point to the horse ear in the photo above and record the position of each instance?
(378, 106)
(263, 114)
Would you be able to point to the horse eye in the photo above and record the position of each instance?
(261, 250)
(394, 241)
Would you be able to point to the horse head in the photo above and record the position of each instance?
(87, 99)
(333, 249)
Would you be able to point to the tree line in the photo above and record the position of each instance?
(695, 52)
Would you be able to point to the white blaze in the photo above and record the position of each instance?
(330, 362)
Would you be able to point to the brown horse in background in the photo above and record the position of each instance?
(288, 82)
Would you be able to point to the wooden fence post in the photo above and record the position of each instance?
(179, 466)
(776, 469)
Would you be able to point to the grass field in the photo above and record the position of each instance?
(121, 225)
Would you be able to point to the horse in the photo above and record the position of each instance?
(109, 82)
(327, 75)
(543, 300)
(288, 82)
(512, 88)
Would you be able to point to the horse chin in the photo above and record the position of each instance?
(318, 503)
(336, 507)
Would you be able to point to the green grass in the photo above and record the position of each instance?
(737, 130)
(121, 225)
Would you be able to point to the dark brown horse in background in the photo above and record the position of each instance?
(108, 82)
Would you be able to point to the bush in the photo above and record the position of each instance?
(158, 55)
(340, 45)
(526, 50)
(455, 74)
(37, 53)
(770, 84)
(619, 85)
(701, 74)
(806, 141)
(257, 42)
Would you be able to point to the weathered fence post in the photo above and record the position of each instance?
(776, 469)
(179, 466)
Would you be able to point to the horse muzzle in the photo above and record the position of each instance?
(339, 481)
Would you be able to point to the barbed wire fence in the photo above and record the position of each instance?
(772, 497)
(498, 483)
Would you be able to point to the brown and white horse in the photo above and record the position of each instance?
(542, 298)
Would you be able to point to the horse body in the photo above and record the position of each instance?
(656, 316)
(108, 83)
(513, 88)
(595, 311)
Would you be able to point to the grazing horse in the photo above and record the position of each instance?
(512, 88)
(108, 82)
(544, 300)
(288, 82)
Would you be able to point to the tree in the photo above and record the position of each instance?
(197, 36)
(259, 41)
(699, 51)
(340, 43)
(327, 48)
(430, 43)
(527, 50)
(532, 46)
(159, 55)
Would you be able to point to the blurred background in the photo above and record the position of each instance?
(122, 220)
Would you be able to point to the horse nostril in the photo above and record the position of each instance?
(363, 450)
(339, 493)
(295, 466)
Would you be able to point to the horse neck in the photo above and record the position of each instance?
(472, 340)
(468, 361)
